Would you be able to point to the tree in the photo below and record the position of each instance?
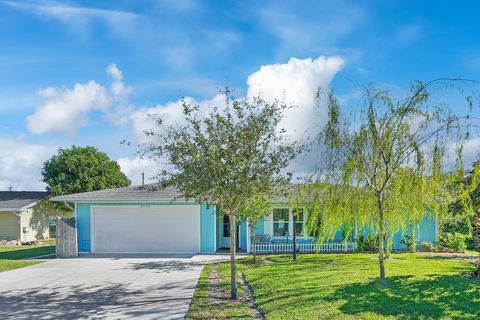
(255, 209)
(225, 157)
(81, 169)
(383, 164)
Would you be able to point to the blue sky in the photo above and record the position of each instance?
(56, 90)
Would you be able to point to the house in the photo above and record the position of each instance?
(144, 219)
(24, 215)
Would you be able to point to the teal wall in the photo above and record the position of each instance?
(260, 227)
(426, 230)
(207, 228)
(243, 236)
(82, 218)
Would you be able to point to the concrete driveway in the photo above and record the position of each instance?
(102, 287)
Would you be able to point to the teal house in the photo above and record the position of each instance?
(144, 219)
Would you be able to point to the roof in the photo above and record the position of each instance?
(149, 192)
(18, 200)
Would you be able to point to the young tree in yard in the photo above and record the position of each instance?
(254, 210)
(384, 163)
(81, 169)
(225, 157)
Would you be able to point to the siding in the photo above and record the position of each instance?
(82, 218)
(34, 224)
(9, 226)
(207, 229)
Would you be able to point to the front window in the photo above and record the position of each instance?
(280, 222)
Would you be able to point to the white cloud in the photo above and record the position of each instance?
(171, 113)
(66, 110)
(78, 17)
(297, 82)
(133, 169)
(21, 163)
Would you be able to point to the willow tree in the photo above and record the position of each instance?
(383, 166)
(224, 157)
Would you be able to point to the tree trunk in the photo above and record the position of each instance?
(387, 247)
(233, 265)
(381, 247)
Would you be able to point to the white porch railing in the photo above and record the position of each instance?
(268, 247)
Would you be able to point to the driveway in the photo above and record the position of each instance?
(102, 287)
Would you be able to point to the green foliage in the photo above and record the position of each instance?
(427, 246)
(453, 241)
(409, 241)
(226, 157)
(256, 209)
(383, 163)
(81, 169)
(367, 244)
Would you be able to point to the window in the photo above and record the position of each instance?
(299, 222)
(280, 222)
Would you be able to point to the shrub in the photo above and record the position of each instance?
(367, 244)
(427, 246)
(457, 242)
(453, 241)
(409, 241)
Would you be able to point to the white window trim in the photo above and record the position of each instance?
(290, 223)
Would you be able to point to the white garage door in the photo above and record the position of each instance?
(156, 229)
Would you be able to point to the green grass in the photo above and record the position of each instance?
(345, 286)
(204, 308)
(10, 256)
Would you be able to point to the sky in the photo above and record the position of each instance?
(88, 72)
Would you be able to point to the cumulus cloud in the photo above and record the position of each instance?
(171, 113)
(296, 82)
(21, 163)
(133, 169)
(66, 110)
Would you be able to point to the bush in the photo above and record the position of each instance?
(409, 241)
(427, 246)
(453, 241)
(457, 242)
(369, 243)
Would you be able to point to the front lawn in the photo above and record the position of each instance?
(345, 286)
(10, 256)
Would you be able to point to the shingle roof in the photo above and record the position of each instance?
(20, 199)
(149, 192)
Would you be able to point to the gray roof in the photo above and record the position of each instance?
(149, 192)
(17, 200)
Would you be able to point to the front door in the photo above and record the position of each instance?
(226, 233)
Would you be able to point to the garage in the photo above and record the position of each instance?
(145, 229)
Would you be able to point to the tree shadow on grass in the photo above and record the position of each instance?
(447, 297)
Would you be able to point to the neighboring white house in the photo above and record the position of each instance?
(24, 215)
